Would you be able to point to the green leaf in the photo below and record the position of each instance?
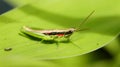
(17, 61)
(103, 27)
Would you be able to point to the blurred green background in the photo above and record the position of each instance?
(107, 20)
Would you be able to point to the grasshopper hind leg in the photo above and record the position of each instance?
(57, 44)
(68, 39)
(74, 44)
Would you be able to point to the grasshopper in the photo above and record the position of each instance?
(52, 34)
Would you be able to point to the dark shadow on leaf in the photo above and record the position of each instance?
(54, 18)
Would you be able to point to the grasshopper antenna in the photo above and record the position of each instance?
(85, 20)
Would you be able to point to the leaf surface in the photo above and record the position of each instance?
(103, 27)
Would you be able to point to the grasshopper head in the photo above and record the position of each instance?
(72, 29)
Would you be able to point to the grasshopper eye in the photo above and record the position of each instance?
(70, 31)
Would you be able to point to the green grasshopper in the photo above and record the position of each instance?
(52, 34)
